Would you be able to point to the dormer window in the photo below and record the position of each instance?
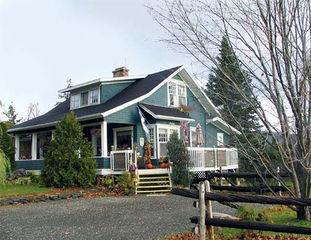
(84, 99)
(177, 94)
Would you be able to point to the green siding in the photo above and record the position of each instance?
(127, 115)
(107, 91)
(159, 97)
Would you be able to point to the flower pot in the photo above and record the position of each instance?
(149, 166)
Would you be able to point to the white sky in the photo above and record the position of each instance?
(43, 43)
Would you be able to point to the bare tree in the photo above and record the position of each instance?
(33, 110)
(272, 41)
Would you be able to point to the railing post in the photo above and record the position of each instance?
(202, 211)
(210, 228)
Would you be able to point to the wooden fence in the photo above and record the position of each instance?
(206, 215)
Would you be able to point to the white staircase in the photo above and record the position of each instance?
(150, 181)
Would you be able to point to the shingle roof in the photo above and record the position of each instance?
(159, 112)
(137, 89)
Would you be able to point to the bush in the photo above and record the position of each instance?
(126, 183)
(69, 162)
(178, 154)
(107, 181)
(5, 166)
(247, 212)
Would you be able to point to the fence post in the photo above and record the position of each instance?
(279, 183)
(202, 226)
(210, 228)
(220, 170)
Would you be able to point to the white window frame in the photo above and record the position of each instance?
(155, 147)
(168, 127)
(122, 129)
(178, 84)
(220, 143)
(192, 129)
(80, 98)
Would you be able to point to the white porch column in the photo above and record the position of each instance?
(104, 139)
(34, 146)
(17, 147)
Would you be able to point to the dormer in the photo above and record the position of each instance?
(85, 98)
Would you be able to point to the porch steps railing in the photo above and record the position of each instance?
(153, 182)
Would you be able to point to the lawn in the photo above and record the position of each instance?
(7, 190)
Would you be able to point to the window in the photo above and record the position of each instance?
(43, 141)
(193, 137)
(164, 133)
(25, 146)
(75, 101)
(123, 138)
(220, 139)
(94, 96)
(177, 94)
(84, 98)
(151, 142)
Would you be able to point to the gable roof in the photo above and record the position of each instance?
(140, 89)
(165, 113)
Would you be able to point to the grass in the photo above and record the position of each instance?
(7, 190)
(280, 215)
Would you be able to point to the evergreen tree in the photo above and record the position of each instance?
(69, 161)
(232, 106)
(12, 115)
(179, 156)
(7, 143)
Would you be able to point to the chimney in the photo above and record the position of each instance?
(120, 72)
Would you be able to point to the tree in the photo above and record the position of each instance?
(33, 110)
(69, 161)
(5, 166)
(7, 143)
(272, 40)
(12, 115)
(179, 156)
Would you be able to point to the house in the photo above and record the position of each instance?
(108, 109)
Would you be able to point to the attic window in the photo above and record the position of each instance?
(177, 94)
(84, 99)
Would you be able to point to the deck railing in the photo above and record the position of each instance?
(121, 160)
(204, 159)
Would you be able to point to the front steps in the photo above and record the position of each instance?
(152, 182)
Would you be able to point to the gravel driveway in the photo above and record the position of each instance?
(139, 217)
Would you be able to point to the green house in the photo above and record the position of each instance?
(108, 109)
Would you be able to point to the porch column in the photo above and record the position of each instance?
(104, 141)
(17, 147)
(34, 146)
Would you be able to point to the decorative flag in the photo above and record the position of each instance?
(143, 123)
(184, 128)
(200, 138)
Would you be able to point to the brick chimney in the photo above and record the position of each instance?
(120, 72)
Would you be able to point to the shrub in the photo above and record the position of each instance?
(7, 143)
(126, 183)
(178, 154)
(5, 166)
(107, 181)
(69, 161)
(247, 212)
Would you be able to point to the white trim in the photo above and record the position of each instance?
(143, 96)
(34, 146)
(99, 81)
(154, 154)
(121, 129)
(17, 147)
(163, 117)
(51, 124)
(104, 139)
(229, 127)
(116, 82)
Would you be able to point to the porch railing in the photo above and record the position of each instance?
(213, 158)
(120, 160)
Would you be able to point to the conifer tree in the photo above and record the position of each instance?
(69, 161)
(231, 104)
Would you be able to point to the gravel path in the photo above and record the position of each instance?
(139, 217)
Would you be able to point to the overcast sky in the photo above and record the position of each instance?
(43, 43)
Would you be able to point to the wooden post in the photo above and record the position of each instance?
(202, 211)
(220, 176)
(279, 183)
(210, 229)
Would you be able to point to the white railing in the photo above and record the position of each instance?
(120, 160)
(204, 159)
